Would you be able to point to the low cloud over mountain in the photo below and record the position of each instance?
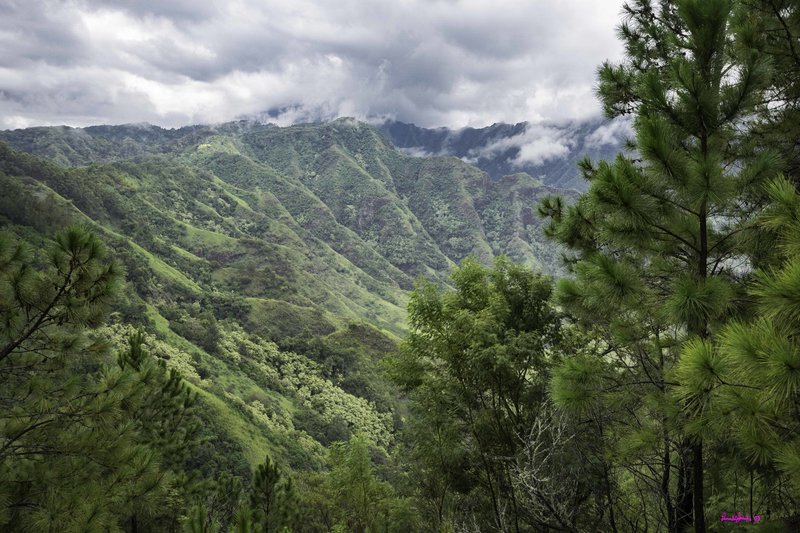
(549, 152)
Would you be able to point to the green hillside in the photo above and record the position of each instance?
(341, 182)
(269, 266)
(254, 329)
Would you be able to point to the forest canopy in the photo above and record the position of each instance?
(260, 329)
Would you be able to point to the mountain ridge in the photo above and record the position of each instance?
(547, 151)
(260, 259)
(215, 146)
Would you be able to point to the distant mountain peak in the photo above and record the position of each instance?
(547, 151)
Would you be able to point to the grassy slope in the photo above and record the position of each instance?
(309, 236)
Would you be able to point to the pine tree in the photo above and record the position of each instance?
(162, 410)
(244, 522)
(72, 294)
(657, 238)
(224, 501)
(83, 441)
(776, 34)
(743, 386)
(198, 522)
(61, 426)
(272, 501)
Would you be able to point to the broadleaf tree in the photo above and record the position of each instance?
(476, 365)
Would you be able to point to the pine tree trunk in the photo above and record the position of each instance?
(699, 500)
(702, 331)
(665, 482)
(685, 496)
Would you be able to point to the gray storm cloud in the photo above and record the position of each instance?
(431, 62)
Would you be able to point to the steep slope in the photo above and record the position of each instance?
(422, 215)
(270, 266)
(213, 297)
(393, 216)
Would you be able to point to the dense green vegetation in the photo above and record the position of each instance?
(664, 254)
(252, 328)
(267, 268)
(477, 365)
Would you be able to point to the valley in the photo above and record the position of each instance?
(270, 266)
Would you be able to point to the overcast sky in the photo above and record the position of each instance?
(432, 62)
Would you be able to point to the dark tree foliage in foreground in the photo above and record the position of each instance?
(776, 35)
(663, 250)
(741, 388)
(86, 442)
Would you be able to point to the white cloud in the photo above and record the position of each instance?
(433, 62)
(416, 151)
(612, 133)
(537, 144)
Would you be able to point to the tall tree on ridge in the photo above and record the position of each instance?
(657, 238)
